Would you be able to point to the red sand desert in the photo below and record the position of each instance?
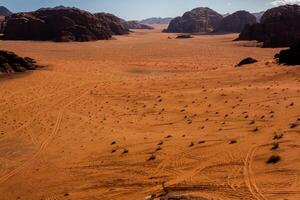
(143, 114)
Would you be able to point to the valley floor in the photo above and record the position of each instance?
(116, 119)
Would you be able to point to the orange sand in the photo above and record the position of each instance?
(58, 123)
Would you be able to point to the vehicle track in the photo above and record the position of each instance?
(43, 146)
(249, 177)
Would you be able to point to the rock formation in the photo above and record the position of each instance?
(135, 25)
(236, 22)
(2, 23)
(113, 22)
(196, 21)
(10, 63)
(246, 61)
(5, 12)
(290, 56)
(60, 25)
(279, 27)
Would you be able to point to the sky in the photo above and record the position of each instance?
(141, 9)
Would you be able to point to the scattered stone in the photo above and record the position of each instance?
(232, 142)
(275, 146)
(293, 125)
(246, 61)
(152, 157)
(184, 36)
(273, 159)
(125, 151)
(278, 136)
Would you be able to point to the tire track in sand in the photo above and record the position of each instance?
(249, 177)
(43, 146)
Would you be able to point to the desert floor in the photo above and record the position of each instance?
(114, 120)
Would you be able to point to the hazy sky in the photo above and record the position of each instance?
(139, 9)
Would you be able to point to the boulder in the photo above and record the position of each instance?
(135, 25)
(236, 22)
(10, 63)
(246, 61)
(184, 36)
(198, 20)
(279, 27)
(61, 25)
(290, 56)
(113, 22)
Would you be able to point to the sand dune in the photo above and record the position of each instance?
(116, 119)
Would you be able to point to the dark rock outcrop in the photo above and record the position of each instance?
(279, 27)
(113, 22)
(236, 22)
(184, 36)
(199, 20)
(246, 61)
(290, 56)
(5, 12)
(60, 25)
(10, 63)
(2, 23)
(135, 25)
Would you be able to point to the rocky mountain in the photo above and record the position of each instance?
(279, 27)
(60, 25)
(5, 12)
(236, 22)
(135, 25)
(113, 22)
(196, 21)
(156, 20)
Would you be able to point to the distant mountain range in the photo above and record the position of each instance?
(4, 11)
(156, 20)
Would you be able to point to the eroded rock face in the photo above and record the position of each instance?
(199, 20)
(290, 56)
(113, 22)
(60, 25)
(135, 25)
(2, 23)
(279, 27)
(236, 22)
(10, 63)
